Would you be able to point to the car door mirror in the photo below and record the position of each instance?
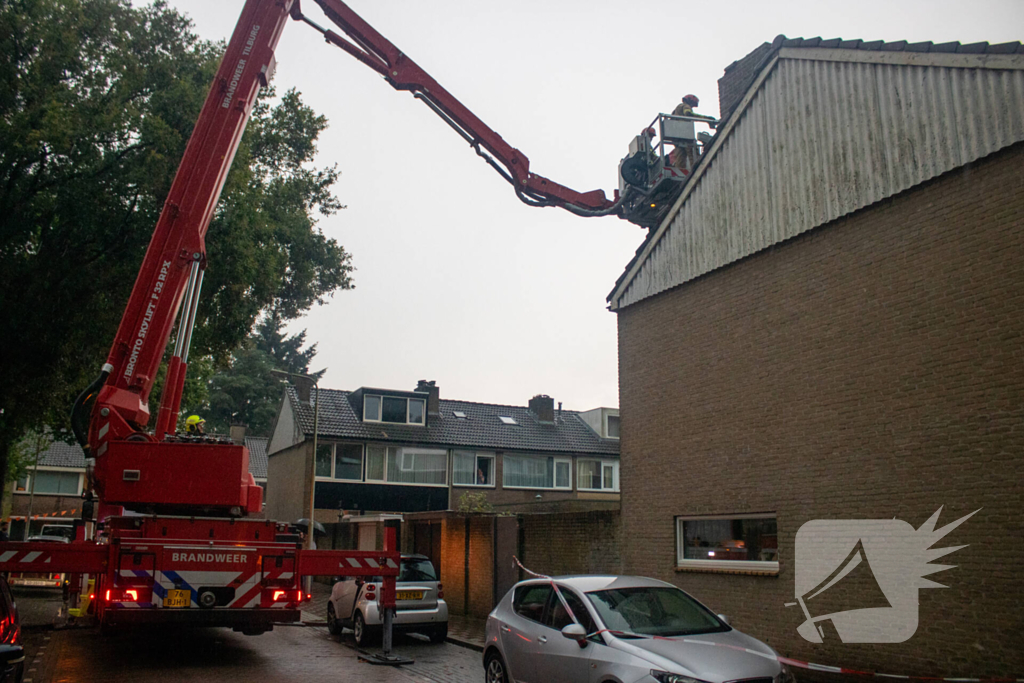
(724, 619)
(575, 632)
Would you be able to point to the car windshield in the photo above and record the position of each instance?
(653, 611)
(416, 569)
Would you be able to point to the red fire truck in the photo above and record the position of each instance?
(167, 534)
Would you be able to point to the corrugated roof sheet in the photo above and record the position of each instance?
(818, 137)
(481, 427)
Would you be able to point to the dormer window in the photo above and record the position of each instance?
(612, 429)
(394, 410)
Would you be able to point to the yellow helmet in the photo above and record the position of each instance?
(193, 421)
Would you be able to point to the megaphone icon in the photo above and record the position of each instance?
(851, 585)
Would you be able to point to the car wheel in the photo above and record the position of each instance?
(333, 627)
(365, 635)
(494, 669)
(439, 633)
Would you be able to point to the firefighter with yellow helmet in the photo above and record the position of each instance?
(194, 424)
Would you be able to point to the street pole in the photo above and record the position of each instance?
(311, 508)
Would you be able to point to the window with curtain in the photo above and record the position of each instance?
(473, 469)
(597, 475)
(535, 471)
(747, 539)
(417, 466)
(375, 457)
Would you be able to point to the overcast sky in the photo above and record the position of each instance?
(459, 282)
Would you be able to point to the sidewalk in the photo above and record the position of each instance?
(462, 630)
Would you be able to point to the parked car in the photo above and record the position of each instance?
(420, 604)
(629, 629)
(40, 579)
(12, 652)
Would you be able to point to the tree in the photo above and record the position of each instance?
(97, 101)
(246, 392)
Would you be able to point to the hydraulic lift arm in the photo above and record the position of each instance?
(378, 53)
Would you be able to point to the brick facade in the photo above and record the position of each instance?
(572, 543)
(737, 79)
(869, 369)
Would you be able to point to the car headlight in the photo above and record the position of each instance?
(785, 676)
(666, 677)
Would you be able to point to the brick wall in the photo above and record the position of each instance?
(738, 77)
(572, 543)
(870, 369)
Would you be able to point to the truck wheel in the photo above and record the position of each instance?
(365, 635)
(439, 633)
(333, 627)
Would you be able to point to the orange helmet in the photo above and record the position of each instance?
(691, 100)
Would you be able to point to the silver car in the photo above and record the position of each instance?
(420, 604)
(627, 629)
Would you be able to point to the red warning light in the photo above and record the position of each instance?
(278, 595)
(132, 594)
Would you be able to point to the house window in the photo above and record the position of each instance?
(348, 461)
(52, 483)
(375, 457)
(613, 427)
(597, 475)
(473, 469)
(324, 456)
(536, 472)
(371, 409)
(727, 542)
(22, 485)
(394, 409)
(407, 465)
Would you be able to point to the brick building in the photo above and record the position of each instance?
(828, 326)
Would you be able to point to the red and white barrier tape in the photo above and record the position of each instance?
(782, 660)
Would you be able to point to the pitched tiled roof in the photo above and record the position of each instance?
(62, 454)
(257, 446)
(481, 427)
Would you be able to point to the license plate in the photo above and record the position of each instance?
(178, 598)
(409, 595)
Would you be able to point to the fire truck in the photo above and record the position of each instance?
(169, 532)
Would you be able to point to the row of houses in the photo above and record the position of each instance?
(826, 326)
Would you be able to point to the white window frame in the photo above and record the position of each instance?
(554, 478)
(48, 468)
(760, 566)
(476, 466)
(601, 465)
(407, 400)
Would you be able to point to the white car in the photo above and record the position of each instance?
(618, 629)
(420, 604)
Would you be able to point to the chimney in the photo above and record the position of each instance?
(434, 399)
(237, 433)
(543, 406)
(303, 387)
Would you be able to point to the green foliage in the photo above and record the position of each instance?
(246, 392)
(97, 102)
(26, 452)
(469, 503)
